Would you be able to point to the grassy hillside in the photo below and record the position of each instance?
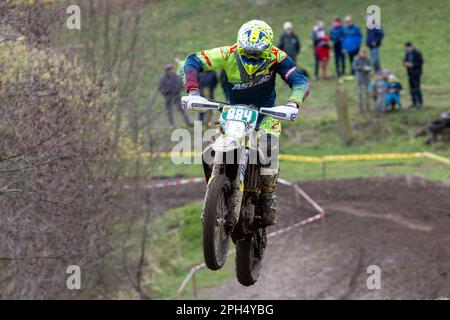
(177, 28)
(174, 28)
(174, 247)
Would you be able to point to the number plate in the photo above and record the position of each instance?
(240, 114)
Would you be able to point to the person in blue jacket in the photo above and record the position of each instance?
(373, 41)
(337, 36)
(352, 39)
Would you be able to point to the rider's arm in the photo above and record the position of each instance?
(201, 61)
(296, 80)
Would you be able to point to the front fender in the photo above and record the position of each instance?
(225, 144)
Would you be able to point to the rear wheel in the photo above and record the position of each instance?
(249, 255)
(215, 240)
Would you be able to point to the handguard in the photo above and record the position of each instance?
(198, 103)
(285, 112)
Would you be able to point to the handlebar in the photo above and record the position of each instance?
(198, 103)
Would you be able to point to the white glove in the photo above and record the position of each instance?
(293, 110)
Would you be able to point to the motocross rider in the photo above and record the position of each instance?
(251, 66)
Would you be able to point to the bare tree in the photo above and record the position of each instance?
(74, 134)
(53, 200)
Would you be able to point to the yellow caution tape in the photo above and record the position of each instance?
(352, 157)
(291, 157)
(436, 158)
(309, 159)
(162, 154)
(378, 156)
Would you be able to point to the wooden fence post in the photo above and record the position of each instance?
(345, 129)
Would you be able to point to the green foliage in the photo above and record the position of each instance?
(175, 246)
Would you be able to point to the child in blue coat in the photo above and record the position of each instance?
(393, 93)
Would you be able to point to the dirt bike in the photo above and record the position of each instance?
(232, 170)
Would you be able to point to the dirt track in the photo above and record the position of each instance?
(400, 224)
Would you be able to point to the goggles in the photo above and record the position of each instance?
(252, 54)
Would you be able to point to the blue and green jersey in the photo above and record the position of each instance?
(259, 90)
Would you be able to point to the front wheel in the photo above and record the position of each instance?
(215, 239)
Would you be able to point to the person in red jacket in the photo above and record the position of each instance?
(323, 55)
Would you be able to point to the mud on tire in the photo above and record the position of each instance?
(215, 241)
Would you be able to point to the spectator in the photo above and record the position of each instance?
(362, 66)
(337, 36)
(208, 82)
(170, 86)
(317, 33)
(382, 75)
(289, 42)
(372, 85)
(323, 55)
(352, 39)
(385, 74)
(393, 93)
(380, 91)
(373, 42)
(413, 62)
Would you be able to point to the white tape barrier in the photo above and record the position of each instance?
(175, 182)
(189, 276)
(303, 194)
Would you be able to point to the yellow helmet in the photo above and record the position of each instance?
(254, 41)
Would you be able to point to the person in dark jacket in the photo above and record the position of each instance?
(337, 36)
(289, 42)
(170, 86)
(317, 34)
(207, 82)
(352, 40)
(413, 63)
(373, 42)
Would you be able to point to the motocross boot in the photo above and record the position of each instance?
(267, 200)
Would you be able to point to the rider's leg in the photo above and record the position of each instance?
(268, 199)
(269, 132)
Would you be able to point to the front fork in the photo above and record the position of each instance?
(235, 205)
